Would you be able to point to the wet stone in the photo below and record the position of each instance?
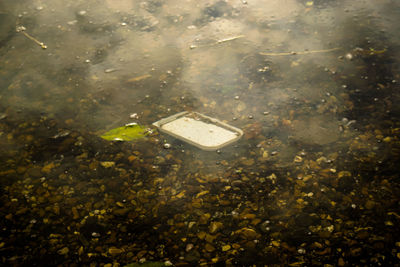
(369, 204)
(247, 233)
(121, 212)
(167, 146)
(107, 164)
(192, 256)
(34, 172)
(225, 248)
(209, 248)
(346, 184)
(210, 238)
(63, 251)
(305, 220)
(317, 130)
(114, 251)
(215, 226)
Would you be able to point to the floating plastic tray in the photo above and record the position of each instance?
(199, 130)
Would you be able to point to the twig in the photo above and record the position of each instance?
(22, 29)
(229, 39)
(218, 42)
(299, 53)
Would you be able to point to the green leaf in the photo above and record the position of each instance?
(129, 132)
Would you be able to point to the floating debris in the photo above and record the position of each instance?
(129, 132)
(109, 70)
(299, 53)
(134, 116)
(139, 78)
(193, 46)
(229, 39)
(62, 134)
(22, 30)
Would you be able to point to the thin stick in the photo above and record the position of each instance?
(299, 53)
(22, 30)
(218, 42)
(229, 39)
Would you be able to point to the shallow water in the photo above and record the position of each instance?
(313, 85)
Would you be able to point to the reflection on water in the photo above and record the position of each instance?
(313, 84)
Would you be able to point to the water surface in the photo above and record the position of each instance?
(313, 84)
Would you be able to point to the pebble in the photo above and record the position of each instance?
(248, 162)
(134, 116)
(301, 251)
(209, 247)
(159, 160)
(168, 263)
(189, 247)
(72, 22)
(94, 234)
(275, 243)
(387, 139)
(349, 56)
(114, 251)
(369, 204)
(215, 226)
(298, 159)
(167, 146)
(247, 233)
(107, 164)
(63, 251)
(109, 70)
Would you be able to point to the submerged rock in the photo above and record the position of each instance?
(315, 130)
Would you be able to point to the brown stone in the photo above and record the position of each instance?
(247, 233)
(209, 247)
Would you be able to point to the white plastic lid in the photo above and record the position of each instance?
(199, 130)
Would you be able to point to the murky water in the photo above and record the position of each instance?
(313, 84)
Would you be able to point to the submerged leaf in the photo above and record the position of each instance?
(128, 132)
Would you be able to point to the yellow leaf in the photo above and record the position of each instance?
(202, 193)
(181, 194)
